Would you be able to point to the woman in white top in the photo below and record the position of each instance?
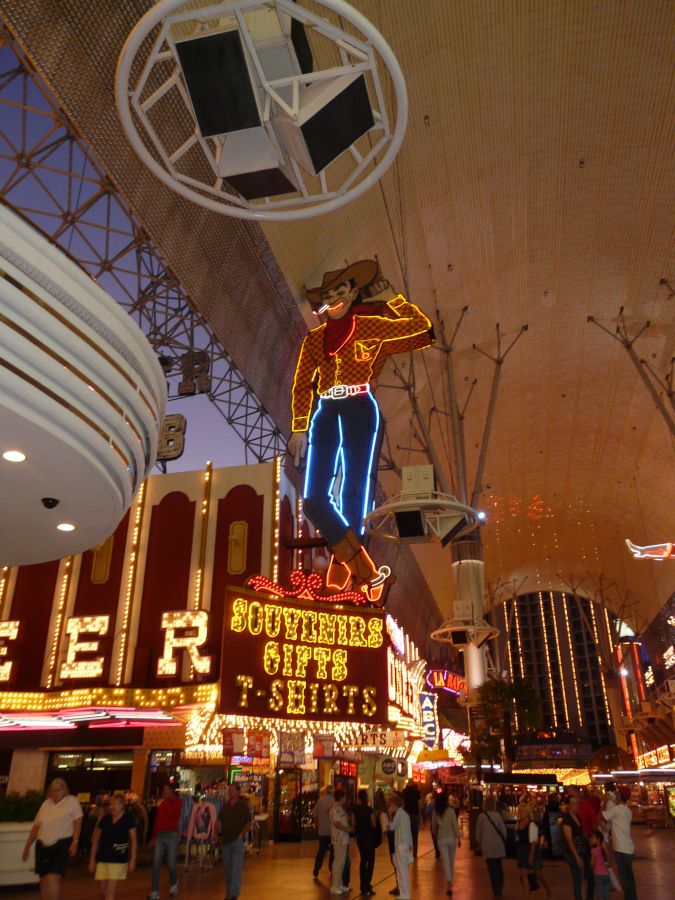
(57, 831)
(444, 824)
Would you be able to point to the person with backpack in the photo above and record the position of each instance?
(365, 828)
(444, 822)
(490, 835)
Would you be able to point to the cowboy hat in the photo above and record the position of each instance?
(362, 273)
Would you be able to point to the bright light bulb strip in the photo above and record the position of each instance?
(602, 674)
(4, 583)
(203, 534)
(63, 594)
(507, 633)
(548, 660)
(557, 644)
(518, 639)
(277, 513)
(131, 582)
(119, 697)
(575, 680)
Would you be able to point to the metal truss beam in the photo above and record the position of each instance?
(50, 177)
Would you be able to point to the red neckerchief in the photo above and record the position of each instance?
(339, 331)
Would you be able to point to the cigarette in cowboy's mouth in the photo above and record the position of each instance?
(319, 312)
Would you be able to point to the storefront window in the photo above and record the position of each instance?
(90, 774)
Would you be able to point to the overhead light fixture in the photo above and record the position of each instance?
(66, 526)
(14, 456)
(224, 104)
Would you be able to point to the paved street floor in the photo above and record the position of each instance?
(286, 870)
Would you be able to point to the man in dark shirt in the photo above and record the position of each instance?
(411, 804)
(235, 821)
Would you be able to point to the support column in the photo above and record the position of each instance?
(139, 771)
(468, 575)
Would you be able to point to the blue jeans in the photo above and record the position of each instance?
(324, 846)
(578, 874)
(344, 436)
(603, 886)
(624, 863)
(166, 842)
(233, 863)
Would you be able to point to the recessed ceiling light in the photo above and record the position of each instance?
(66, 526)
(14, 456)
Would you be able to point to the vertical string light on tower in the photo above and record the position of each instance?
(131, 582)
(557, 645)
(548, 660)
(596, 638)
(574, 667)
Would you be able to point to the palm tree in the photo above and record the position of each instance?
(499, 701)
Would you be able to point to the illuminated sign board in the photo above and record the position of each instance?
(441, 679)
(284, 659)
(428, 703)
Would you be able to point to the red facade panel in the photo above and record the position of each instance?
(32, 607)
(165, 585)
(97, 597)
(241, 504)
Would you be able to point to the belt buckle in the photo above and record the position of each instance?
(339, 391)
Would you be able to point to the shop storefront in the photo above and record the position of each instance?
(146, 661)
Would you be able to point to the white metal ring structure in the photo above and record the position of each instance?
(143, 85)
(441, 512)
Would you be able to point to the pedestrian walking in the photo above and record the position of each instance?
(411, 804)
(164, 838)
(113, 847)
(235, 821)
(56, 833)
(490, 835)
(620, 818)
(403, 844)
(387, 834)
(365, 824)
(321, 816)
(340, 829)
(577, 850)
(444, 824)
(530, 861)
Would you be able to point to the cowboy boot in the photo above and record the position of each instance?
(337, 575)
(349, 551)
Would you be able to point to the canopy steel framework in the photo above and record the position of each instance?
(51, 178)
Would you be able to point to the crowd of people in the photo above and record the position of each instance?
(113, 843)
(592, 833)
(396, 819)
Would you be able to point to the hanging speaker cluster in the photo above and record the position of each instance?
(240, 117)
(225, 73)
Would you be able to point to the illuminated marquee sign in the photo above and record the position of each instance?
(659, 757)
(285, 659)
(74, 667)
(443, 680)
